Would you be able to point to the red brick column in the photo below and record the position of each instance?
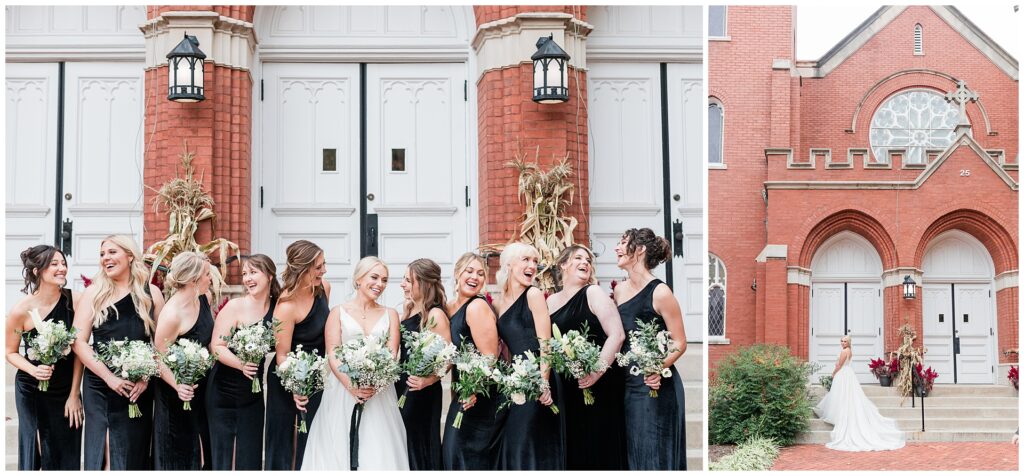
(509, 122)
(217, 130)
(1007, 302)
(899, 311)
(776, 329)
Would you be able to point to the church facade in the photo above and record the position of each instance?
(833, 184)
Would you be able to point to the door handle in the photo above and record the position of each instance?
(677, 238)
(65, 236)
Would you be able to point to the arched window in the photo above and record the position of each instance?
(716, 131)
(918, 40)
(716, 298)
(915, 120)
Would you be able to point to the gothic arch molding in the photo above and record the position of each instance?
(990, 233)
(854, 221)
(913, 78)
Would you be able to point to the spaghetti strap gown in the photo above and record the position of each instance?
(655, 430)
(474, 445)
(594, 434)
(178, 434)
(421, 414)
(236, 415)
(106, 411)
(41, 414)
(282, 416)
(533, 436)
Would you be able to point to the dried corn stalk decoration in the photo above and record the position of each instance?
(546, 225)
(187, 205)
(909, 357)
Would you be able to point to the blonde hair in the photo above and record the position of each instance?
(138, 285)
(512, 252)
(462, 263)
(186, 268)
(301, 256)
(363, 268)
(565, 256)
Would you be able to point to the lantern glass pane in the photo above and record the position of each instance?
(199, 74)
(173, 65)
(184, 74)
(538, 74)
(565, 73)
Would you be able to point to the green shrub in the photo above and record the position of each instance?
(760, 390)
(756, 454)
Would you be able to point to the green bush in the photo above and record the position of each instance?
(760, 390)
(756, 454)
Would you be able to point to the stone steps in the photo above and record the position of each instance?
(820, 437)
(694, 460)
(937, 424)
(691, 369)
(939, 390)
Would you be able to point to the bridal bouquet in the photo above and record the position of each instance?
(648, 349)
(302, 373)
(188, 361)
(51, 342)
(429, 354)
(522, 381)
(368, 362)
(477, 373)
(252, 343)
(132, 360)
(574, 355)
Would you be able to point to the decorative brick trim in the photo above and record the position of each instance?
(999, 242)
(857, 222)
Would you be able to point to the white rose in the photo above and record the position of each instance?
(666, 372)
(519, 398)
(172, 358)
(32, 354)
(205, 354)
(67, 350)
(124, 374)
(284, 365)
(634, 370)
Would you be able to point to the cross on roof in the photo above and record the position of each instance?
(961, 96)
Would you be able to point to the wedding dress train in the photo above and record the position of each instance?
(858, 425)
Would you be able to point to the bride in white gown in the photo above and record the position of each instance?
(381, 430)
(858, 425)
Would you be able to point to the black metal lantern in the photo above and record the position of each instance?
(909, 288)
(185, 71)
(550, 72)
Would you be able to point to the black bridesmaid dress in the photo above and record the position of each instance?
(282, 416)
(179, 433)
(41, 414)
(421, 414)
(594, 434)
(655, 429)
(474, 445)
(532, 438)
(106, 411)
(236, 415)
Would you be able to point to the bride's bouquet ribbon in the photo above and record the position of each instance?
(369, 364)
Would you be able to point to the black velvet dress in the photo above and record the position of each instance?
(594, 434)
(421, 414)
(282, 417)
(533, 437)
(655, 429)
(106, 411)
(178, 433)
(474, 445)
(41, 414)
(236, 415)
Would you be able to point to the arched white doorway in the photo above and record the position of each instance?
(846, 298)
(959, 309)
(364, 135)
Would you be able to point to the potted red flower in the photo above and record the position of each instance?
(882, 370)
(1014, 376)
(927, 376)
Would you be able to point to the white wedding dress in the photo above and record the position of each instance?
(858, 425)
(381, 430)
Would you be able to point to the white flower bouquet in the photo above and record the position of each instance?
(429, 354)
(572, 354)
(477, 373)
(302, 373)
(252, 343)
(50, 342)
(522, 381)
(648, 349)
(188, 361)
(132, 360)
(369, 364)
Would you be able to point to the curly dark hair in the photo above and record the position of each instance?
(657, 247)
(34, 260)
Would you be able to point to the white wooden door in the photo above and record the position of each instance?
(31, 161)
(416, 166)
(309, 175)
(976, 329)
(103, 146)
(826, 325)
(937, 304)
(864, 325)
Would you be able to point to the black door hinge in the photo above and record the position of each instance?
(465, 90)
(261, 196)
(467, 196)
(261, 90)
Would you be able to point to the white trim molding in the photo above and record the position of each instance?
(772, 252)
(894, 277)
(85, 33)
(1007, 279)
(312, 209)
(508, 42)
(798, 275)
(718, 340)
(226, 41)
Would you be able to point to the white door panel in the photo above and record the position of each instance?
(938, 330)
(103, 146)
(826, 325)
(864, 320)
(31, 161)
(975, 328)
(862, 306)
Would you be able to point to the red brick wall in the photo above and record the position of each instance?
(489, 13)
(217, 129)
(238, 12)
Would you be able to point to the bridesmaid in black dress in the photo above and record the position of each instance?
(594, 434)
(181, 438)
(533, 437)
(655, 427)
(50, 422)
(302, 310)
(112, 440)
(236, 413)
(421, 413)
(474, 445)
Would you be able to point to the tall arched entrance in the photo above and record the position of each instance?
(846, 299)
(959, 309)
